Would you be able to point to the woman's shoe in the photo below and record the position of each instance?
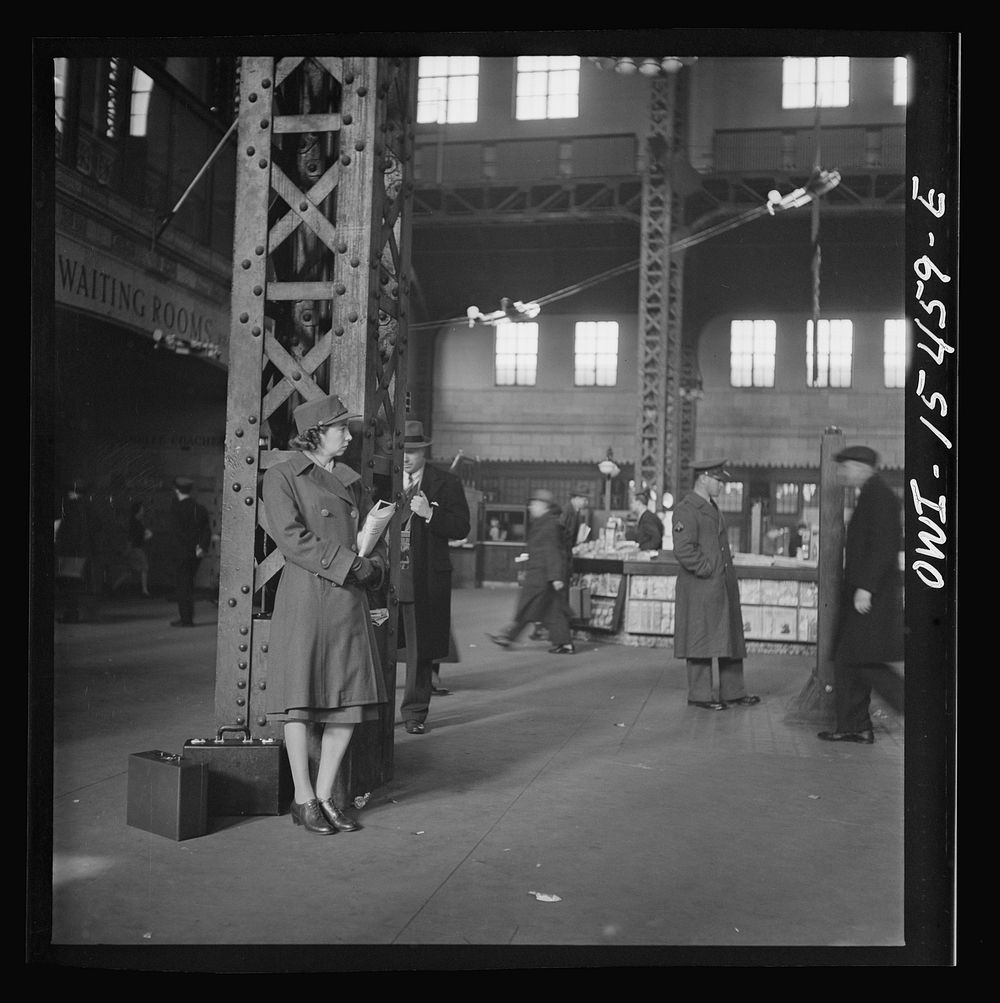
(311, 816)
(337, 818)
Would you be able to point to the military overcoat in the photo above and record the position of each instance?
(322, 647)
(871, 562)
(708, 619)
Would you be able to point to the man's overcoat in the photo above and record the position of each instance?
(708, 620)
(322, 647)
(431, 559)
(871, 562)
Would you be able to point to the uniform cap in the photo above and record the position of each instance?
(715, 467)
(184, 484)
(321, 412)
(860, 453)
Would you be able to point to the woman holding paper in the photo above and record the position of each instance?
(323, 661)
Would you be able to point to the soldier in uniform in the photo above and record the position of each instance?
(708, 617)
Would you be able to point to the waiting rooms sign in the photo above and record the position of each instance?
(89, 280)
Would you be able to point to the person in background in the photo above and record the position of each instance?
(870, 619)
(543, 596)
(708, 617)
(192, 539)
(434, 510)
(796, 540)
(324, 668)
(648, 530)
(138, 562)
(76, 534)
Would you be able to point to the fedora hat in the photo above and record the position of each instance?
(861, 454)
(413, 436)
(321, 412)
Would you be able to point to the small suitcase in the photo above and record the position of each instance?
(167, 795)
(246, 776)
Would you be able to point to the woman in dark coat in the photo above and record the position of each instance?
(322, 643)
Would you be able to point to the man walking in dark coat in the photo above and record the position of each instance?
(870, 619)
(193, 535)
(708, 619)
(434, 511)
(543, 595)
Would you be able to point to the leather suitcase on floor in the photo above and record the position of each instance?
(246, 776)
(167, 795)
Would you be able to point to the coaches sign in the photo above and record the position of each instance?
(90, 280)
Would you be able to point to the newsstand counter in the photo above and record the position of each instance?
(632, 599)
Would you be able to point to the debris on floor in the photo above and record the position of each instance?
(545, 897)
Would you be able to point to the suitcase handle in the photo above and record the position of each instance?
(233, 727)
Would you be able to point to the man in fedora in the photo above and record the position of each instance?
(708, 619)
(193, 537)
(434, 511)
(870, 620)
(543, 597)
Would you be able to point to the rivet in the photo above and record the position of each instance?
(259, 249)
(248, 500)
(359, 145)
(342, 247)
(240, 702)
(252, 98)
(252, 419)
(241, 665)
(264, 123)
(262, 720)
(243, 647)
(355, 262)
(244, 317)
(307, 316)
(245, 263)
(257, 290)
(241, 684)
(236, 487)
(251, 150)
(347, 118)
(231, 602)
(338, 331)
(345, 159)
(239, 433)
(245, 589)
(352, 316)
(303, 206)
(240, 719)
(340, 288)
(263, 647)
(362, 91)
(262, 685)
(250, 459)
(348, 78)
(262, 162)
(244, 631)
(255, 331)
(265, 83)
(296, 375)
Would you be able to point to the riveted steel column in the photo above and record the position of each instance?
(320, 285)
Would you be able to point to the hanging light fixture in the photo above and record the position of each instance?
(647, 66)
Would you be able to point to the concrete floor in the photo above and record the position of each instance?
(669, 834)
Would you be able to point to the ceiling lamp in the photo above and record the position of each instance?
(648, 66)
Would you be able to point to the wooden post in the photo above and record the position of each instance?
(815, 702)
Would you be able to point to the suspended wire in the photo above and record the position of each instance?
(679, 245)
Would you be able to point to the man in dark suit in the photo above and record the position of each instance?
(434, 511)
(193, 537)
(870, 620)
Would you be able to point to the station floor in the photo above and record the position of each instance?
(559, 812)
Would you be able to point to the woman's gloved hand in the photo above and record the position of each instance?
(365, 571)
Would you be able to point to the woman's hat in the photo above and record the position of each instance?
(322, 412)
(413, 436)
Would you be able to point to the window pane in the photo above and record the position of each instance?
(516, 354)
(899, 81)
(834, 354)
(142, 87)
(596, 354)
(751, 353)
(731, 497)
(59, 81)
(547, 87)
(894, 353)
(448, 89)
(786, 499)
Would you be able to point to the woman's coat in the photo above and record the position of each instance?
(322, 647)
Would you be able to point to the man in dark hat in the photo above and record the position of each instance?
(434, 511)
(193, 537)
(870, 620)
(648, 531)
(542, 598)
(708, 619)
